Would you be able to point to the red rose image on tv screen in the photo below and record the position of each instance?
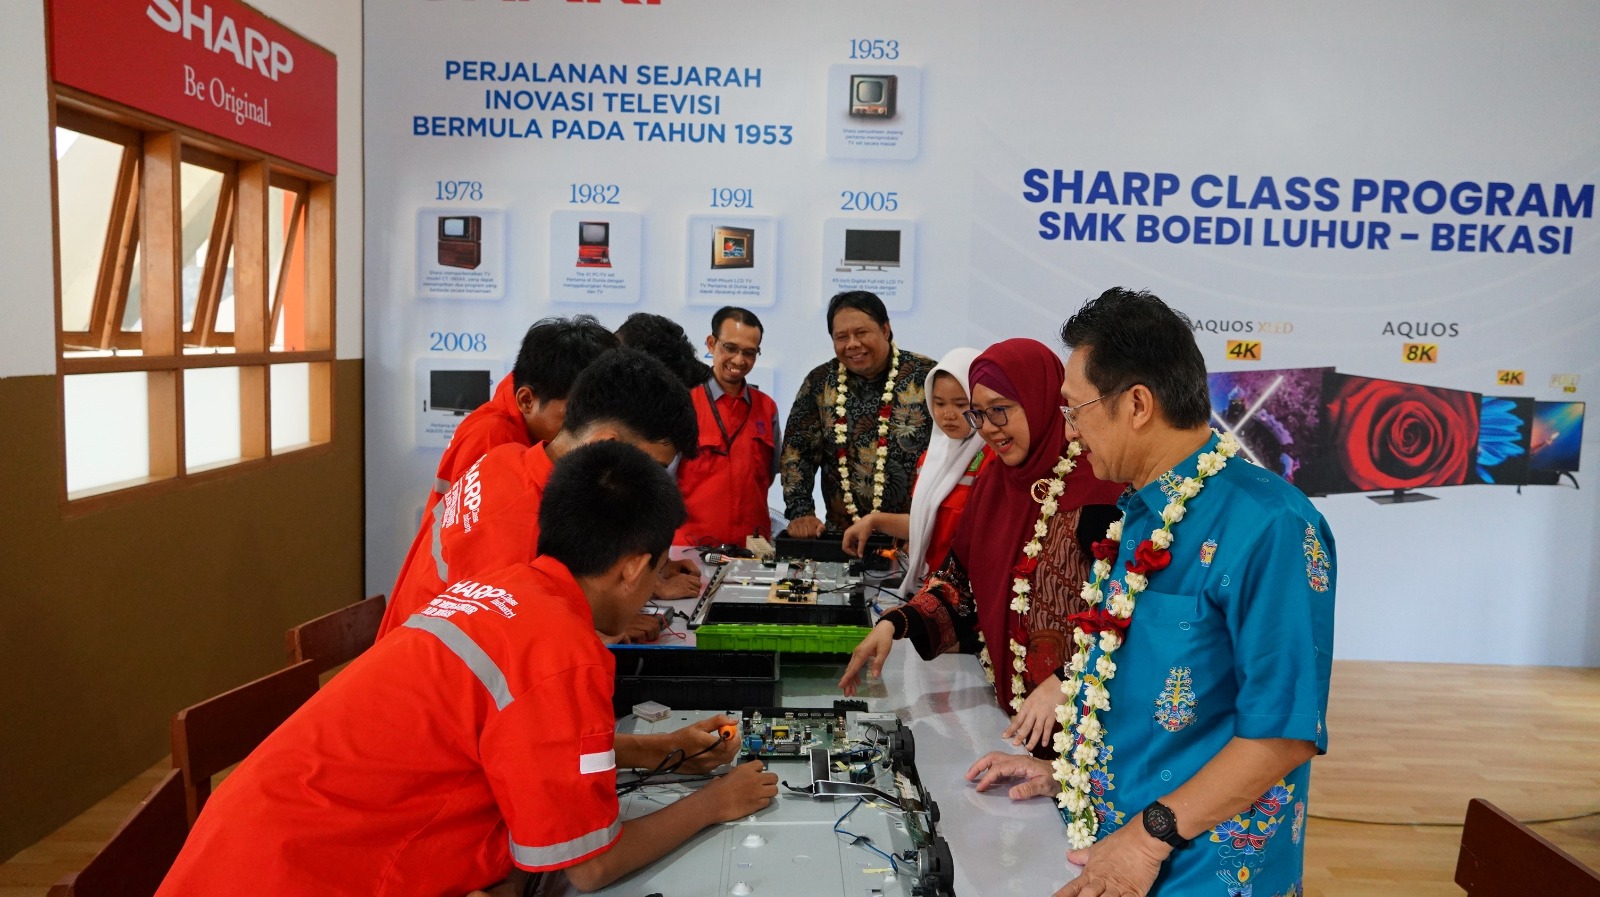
(1391, 435)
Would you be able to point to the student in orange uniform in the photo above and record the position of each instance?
(529, 405)
(477, 738)
(490, 517)
(725, 485)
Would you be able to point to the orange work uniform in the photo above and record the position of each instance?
(496, 422)
(725, 485)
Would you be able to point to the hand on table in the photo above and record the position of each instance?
(678, 579)
(807, 527)
(644, 628)
(748, 788)
(855, 538)
(995, 767)
(1125, 863)
(695, 737)
(1032, 724)
(874, 649)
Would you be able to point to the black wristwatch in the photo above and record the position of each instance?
(1163, 825)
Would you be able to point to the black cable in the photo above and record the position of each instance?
(667, 766)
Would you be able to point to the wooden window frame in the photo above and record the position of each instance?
(146, 213)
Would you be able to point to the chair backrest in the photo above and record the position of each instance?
(1501, 857)
(338, 637)
(219, 732)
(136, 859)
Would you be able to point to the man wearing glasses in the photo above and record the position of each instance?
(725, 486)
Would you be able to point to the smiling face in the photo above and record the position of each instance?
(860, 342)
(1094, 428)
(734, 351)
(949, 400)
(1010, 441)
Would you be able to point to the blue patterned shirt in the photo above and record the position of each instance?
(1234, 638)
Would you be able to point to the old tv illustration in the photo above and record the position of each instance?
(460, 241)
(594, 244)
(457, 392)
(872, 96)
(733, 247)
(876, 249)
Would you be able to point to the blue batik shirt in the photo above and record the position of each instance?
(1233, 638)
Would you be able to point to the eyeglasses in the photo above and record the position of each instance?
(1070, 412)
(747, 354)
(995, 413)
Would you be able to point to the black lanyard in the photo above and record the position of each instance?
(727, 441)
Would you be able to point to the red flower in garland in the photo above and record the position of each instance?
(1025, 567)
(1104, 550)
(1147, 558)
(841, 455)
(883, 441)
(885, 411)
(1097, 619)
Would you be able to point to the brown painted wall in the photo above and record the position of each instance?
(112, 621)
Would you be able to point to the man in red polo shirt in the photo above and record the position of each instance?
(489, 518)
(529, 405)
(725, 485)
(478, 737)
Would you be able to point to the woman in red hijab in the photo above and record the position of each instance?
(1021, 552)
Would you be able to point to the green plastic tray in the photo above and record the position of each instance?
(799, 639)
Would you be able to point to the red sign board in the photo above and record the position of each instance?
(217, 66)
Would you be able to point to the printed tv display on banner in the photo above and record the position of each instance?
(1384, 434)
(1557, 436)
(1505, 427)
(1275, 414)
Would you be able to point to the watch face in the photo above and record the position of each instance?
(1160, 822)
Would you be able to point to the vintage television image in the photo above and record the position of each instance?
(872, 96)
(1275, 414)
(460, 241)
(458, 392)
(733, 247)
(1557, 439)
(1388, 435)
(594, 244)
(1505, 432)
(876, 249)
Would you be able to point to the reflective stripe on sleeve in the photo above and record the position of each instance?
(566, 851)
(462, 646)
(597, 762)
(439, 565)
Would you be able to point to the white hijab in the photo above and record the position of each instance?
(947, 461)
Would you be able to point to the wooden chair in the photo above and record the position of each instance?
(136, 859)
(1501, 857)
(339, 637)
(219, 732)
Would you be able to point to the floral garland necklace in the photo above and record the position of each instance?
(1045, 492)
(1081, 742)
(841, 432)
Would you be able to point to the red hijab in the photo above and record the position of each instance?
(1001, 512)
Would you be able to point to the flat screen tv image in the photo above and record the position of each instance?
(1505, 428)
(460, 241)
(733, 247)
(1277, 416)
(594, 244)
(872, 96)
(1389, 435)
(871, 249)
(1557, 437)
(458, 392)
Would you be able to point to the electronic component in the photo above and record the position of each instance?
(650, 711)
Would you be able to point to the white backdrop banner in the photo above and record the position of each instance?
(1381, 220)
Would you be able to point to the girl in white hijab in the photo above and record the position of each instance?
(944, 476)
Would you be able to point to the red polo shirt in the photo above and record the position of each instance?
(496, 422)
(489, 518)
(477, 736)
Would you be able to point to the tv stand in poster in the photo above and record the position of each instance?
(1402, 497)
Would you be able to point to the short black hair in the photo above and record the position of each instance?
(738, 315)
(867, 303)
(664, 338)
(1134, 337)
(606, 501)
(555, 350)
(629, 388)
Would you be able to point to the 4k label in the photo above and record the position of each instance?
(1511, 378)
(1244, 350)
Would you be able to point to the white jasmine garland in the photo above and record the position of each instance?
(841, 432)
(1080, 753)
(1020, 583)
